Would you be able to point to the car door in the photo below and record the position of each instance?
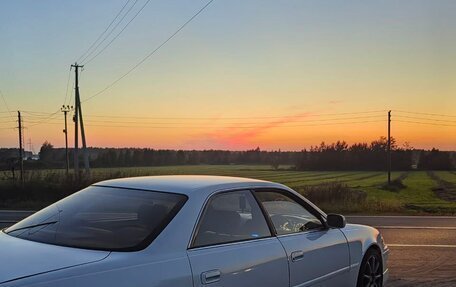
(317, 255)
(233, 245)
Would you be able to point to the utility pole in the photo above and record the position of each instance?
(21, 155)
(65, 110)
(388, 158)
(78, 118)
(76, 126)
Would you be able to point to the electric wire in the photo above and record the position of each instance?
(426, 119)
(6, 105)
(104, 32)
(223, 127)
(238, 124)
(39, 114)
(310, 115)
(151, 53)
(66, 90)
(427, 114)
(51, 116)
(424, 123)
(118, 34)
(112, 30)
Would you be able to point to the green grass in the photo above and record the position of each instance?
(449, 176)
(416, 197)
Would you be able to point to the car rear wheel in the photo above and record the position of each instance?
(371, 271)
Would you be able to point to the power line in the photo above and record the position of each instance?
(427, 114)
(152, 52)
(35, 112)
(211, 118)
(66, 90)
(104, 32)
(110, 32)
(52, 116)
(279, 125)
(6, 105)
(249, 127)
(236, 118)
(73, 88)
(5, 117)
(292, 119)
(426, 119)
(368, 114)
(422, 123)
(236, 123)
(118, 34)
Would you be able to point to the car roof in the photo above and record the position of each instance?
(186, 184)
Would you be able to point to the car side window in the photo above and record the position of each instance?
(287, 215)
(230, 217)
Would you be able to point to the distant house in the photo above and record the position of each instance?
(28, 155)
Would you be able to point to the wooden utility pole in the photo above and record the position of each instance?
(78, 118)
(65, 110)
(21, 154)
(388, 158)
(76, 126)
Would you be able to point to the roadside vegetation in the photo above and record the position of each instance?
(413, 192)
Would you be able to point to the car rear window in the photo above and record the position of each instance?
(102, 218)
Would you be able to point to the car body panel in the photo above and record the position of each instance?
(323, 258)
(119, 269)
(261, 262)
(360, 238)
(39, 257)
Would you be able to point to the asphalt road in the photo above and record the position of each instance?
(423, 248)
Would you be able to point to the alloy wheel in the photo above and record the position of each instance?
(372, 274)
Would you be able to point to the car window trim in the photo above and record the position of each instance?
(299, 201)
(271, 226)
(232, 243)
(204, 210)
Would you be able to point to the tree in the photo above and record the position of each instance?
(46, 151)
(435, 160)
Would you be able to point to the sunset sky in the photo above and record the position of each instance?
(245, 73)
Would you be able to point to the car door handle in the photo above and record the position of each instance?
(297, 255)
(210, 276)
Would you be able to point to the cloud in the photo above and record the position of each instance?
(242, 136)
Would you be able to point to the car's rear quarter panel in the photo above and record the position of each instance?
(119, 269)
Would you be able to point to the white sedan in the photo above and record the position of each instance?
(189, 231)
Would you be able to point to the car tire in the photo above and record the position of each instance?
(371, 270)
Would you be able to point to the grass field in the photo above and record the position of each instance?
(419, 193)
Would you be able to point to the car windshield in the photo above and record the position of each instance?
(102, 218)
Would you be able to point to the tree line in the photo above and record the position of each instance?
(333, 156)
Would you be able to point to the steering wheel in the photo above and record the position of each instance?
(287, 223)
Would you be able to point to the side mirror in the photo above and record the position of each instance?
(336, 220)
